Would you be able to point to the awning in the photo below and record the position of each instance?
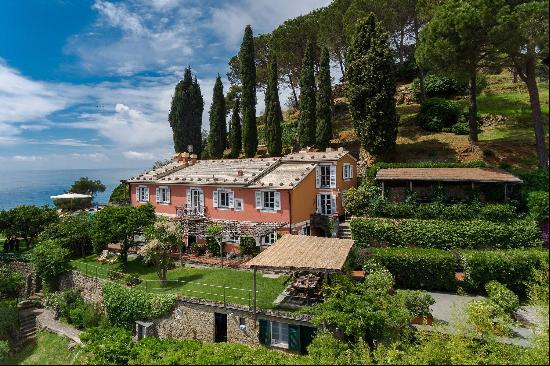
(68, 196)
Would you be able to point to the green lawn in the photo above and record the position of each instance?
(48, 349)
(204, 283)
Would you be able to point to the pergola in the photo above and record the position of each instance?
(302, 253)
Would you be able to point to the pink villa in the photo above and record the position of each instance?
(256, 197)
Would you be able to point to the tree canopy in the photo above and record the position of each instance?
(86, 185)
(248, 93)
(308, 120)
(324, 103)
(273, 113)
(217, 138)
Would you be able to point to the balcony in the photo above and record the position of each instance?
(190, 212)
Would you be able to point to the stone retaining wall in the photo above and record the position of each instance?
(90, 287)
(31, 281)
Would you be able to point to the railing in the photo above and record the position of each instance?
(190, 211)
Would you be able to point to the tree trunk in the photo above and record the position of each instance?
(531, 81)
(473, 110)
(514, 75)
(421, 75)
(341, 63)
(163, 281)
(124, 253)
(293, 90)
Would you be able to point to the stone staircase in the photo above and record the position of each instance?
(27, 322)
(344, 230)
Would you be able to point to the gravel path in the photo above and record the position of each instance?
(46, 319)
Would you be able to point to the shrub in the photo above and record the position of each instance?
(62, 302)
(501, 296)
(487, 318)
(49, 260)
(107, 345)
(8, 319)
(537, 203)
(417, 302)
(11, 282)
(84, 315)
(4, 351)
(436, 114)
(363, 200)
(248, 246)
(126, 305)
(440, 86)
(460, 128)
(213, 246)
(445, 234)
(72, 233)
(327, 350)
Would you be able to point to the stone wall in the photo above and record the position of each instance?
(90, 287)
(31, 281)
(186, 322)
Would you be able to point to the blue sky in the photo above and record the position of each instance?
(88, 83)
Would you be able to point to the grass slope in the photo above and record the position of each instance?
(47, 349)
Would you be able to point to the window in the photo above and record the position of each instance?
(348, 171)
(279, 334)
(239, 205)
(143, 194)
(268, 200)
(325, 204)
(195, 200)
(326, 176)
(242, 322)
(269, 238)
(223, 198)
(163, 194)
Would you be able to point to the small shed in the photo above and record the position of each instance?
(397, 181)
(302, 253)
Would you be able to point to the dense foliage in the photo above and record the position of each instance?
(162, 238)
(72, 308)
(308, 119)
(9, 320)
(235, 131)
(502, 296)
(440, 86)
(126, 305)
(443, 234)
(26, 222)
(371, 87)
(49, 260)
(537, 203)
(324, 103)
(11, 282)
(217, 138)
(436, 114)
(86, 185)
(72, 233)
(185, 115)
(248, 246)
(273, 113)
(248, 94)
(121, 194)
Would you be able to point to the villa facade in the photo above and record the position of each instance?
(255, 197)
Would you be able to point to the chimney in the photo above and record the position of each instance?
(181, 157)
(192, 159)
(329, 149)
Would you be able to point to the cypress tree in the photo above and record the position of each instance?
(235, 134)
(198, 109)
(324, 103)
(371, 88)
(181, 113)
(218, 131)
(306, 125)
(248, 95)
(273, 113)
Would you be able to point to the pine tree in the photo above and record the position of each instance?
(218, 131)
(273, 113)
(248, 80)
(235, 133)
(371, 88)
(181, 113)
(324, 103)
(306, 125)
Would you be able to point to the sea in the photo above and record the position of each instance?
(34, 187)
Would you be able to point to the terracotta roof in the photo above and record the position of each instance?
(300, 252)
(482, 175)
(285, 176)
(316, 156)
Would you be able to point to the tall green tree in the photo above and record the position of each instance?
(522, 34)
(217, 138)
(371, 88)
(324, 103)
(235, 132)
(457, 41)
(86, 185)
(307, 122)
(248, 94)
(273, 113)
(185, 115)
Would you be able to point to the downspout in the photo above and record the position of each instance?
(290, 210)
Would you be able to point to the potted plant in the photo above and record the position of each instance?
(418, 303)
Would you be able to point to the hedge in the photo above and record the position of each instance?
(434, 269)
(461, 211)
(126, 305)
(371, 172)
(442, 234)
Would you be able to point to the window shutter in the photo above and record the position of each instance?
(231, 199)
(294, 338)
(277, 201)
(317, 176)
(146, 194)
(333, 176)
(306, 336)
(351, 171)
(258, 199)
(319, 203)
(201, 200)
(189, 197)
(333, 204)
(168, 194)
(265, 332)
(215, 199)
(157, 192)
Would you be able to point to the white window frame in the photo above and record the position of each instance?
(239, 204)
(261, 201)
(163, 190)
(197, 193)
(347, 173)
(269, 239)
(229, 198)
(325, 176)
(279, 334)
(326, 202)
(142, 193)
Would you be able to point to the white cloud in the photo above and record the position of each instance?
(135, 155)
(27, 158)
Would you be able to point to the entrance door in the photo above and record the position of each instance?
(220, 327)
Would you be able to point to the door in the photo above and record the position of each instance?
(220, 327)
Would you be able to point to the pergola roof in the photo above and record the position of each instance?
(481, 175)
(300, 252)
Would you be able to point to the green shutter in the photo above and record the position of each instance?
(294, 338)
(265, 332)
(306, 337)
